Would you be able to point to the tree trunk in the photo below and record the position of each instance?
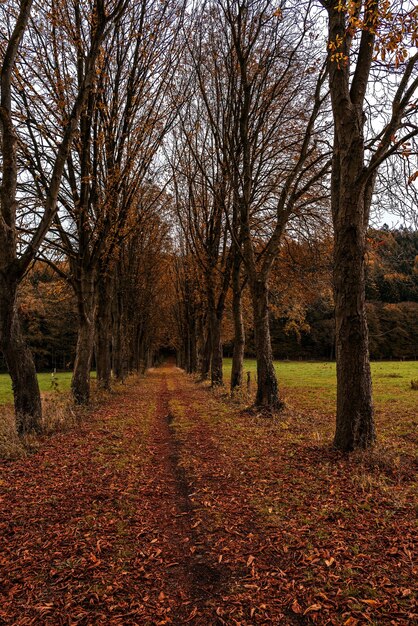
(206, 356)
(354, 420)
(120, 341)
(267, 388)
(351, 193)
(19, 360)
(193, 347)
(217, 350)
(117, 350)
(200, 342)
(239, 331)
(104, 333)
(80, 384)
(190, 349)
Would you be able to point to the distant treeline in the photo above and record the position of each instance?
(48, 310)
(392, 309)
(393, 333)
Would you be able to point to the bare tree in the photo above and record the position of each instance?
(14, 260)
(119, 134)
(356, 31)
(200, 190)
(272, 150)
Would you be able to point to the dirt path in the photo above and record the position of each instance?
(171, 507)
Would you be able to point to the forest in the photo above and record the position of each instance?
(208, 303)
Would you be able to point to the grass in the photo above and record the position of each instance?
(45, 383)
(307, 383)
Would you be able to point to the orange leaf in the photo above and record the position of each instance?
(372, 602)
(313, 607)
(351, 621)
(296, 608)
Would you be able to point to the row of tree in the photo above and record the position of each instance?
(182, 146)
(83, 88)
(300, 294)
(274, 133)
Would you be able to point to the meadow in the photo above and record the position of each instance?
(308, 382)
(310, 388)
(47, 383)
(308, 385)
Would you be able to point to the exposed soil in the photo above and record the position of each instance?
(170, 506)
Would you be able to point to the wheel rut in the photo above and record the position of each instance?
(202, 578)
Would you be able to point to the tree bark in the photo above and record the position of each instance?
(120, 335)
(206, 356)
(217, 350)
(354, 419)
(351, 193)
(239, 330)
(192, 347)
(267, 387)
(104, 333)
(27, 398)
(80, 384)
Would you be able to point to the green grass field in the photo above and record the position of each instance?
(45, 382)
(308, 386)
(312, 386)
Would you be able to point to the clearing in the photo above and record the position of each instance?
(171, 505)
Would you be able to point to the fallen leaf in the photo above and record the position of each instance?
(296, 608)
(351, 621)
(372, 602)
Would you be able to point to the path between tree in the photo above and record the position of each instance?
(168, 506)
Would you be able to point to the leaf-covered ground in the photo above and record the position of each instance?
(170, 505)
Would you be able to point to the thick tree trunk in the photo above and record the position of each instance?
(80, 384)
(239, 344)
(351, 193)
(181, 359)
(206, 356)
(213, 359)
(104, 333)
(187, 347)
(239, 331)
(354, 420)
(193, 348)
(27, 398)
(120, 342)
(138, 355)
(267, 387)
(200, 342)
(354, 423)
(217, 349)
(117, 344)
